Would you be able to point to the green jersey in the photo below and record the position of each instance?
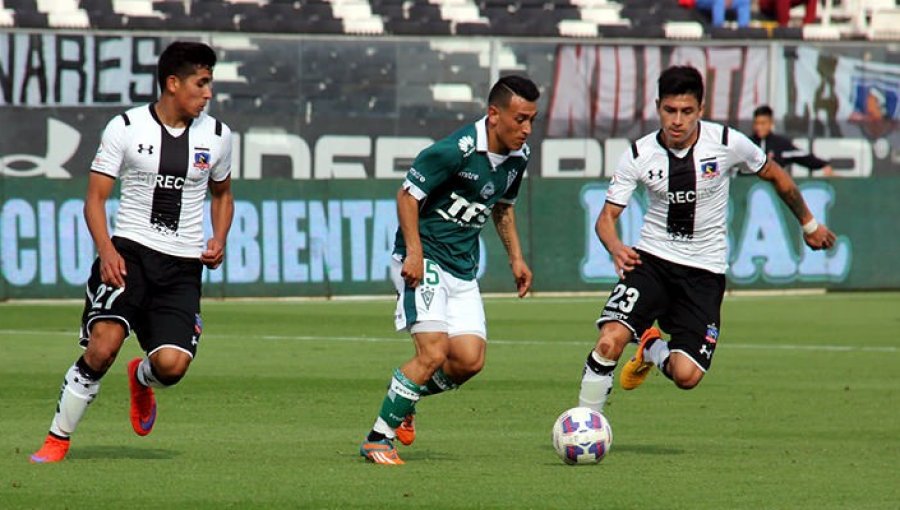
(457, 183)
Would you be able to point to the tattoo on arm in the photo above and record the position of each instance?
(794, 200)
(503, 222)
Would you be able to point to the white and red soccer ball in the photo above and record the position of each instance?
(582, 436)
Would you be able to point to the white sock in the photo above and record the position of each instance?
(145, 375)
(658, 353)
(77, 392)
(596, 381)
(382, 427)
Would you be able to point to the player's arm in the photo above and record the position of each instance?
(505, 221)
(112, 265)
(624, 257)
(816, 236)
(408, 217)
(221, 210)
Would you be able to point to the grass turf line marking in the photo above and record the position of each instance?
(403, 339)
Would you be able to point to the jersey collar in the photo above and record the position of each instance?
(481, 139)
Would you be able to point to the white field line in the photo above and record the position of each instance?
(403, 339)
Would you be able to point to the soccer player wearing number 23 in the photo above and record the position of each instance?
(147, 277)
(675, 274)
(450, 192)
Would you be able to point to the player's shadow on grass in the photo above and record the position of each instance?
(121, 452)
(647, 449)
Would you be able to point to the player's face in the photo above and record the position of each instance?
(512, 125)
(192, 92)
(762, 125)
(678, 117)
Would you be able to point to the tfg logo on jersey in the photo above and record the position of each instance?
(709, 169)
(201, 158)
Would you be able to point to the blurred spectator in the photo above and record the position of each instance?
(780, 148)
(718, 8)
(781, 10)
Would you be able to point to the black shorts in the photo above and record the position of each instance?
(685, 300)
(160, 300)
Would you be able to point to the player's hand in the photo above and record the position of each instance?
(625, 260)
(413, 270)
(522, 275)
(215, 252)
(827, 171)
(112, 268)
(821, 239)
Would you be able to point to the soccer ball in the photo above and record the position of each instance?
(582, 436)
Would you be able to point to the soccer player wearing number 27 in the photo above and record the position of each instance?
(147, 277)
(676, 272)
(450, 192)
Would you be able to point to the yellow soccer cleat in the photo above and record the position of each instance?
(636, 369)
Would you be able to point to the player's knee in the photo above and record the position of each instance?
(613, 339)
(170, 365)
(103, 347)
(687, 379)
(432, 359)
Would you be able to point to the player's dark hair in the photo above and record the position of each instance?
(513, 85)
(678, 80)
(181, 59)
(762, 111)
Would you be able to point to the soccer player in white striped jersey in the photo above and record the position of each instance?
(675, 274)
(147, 276)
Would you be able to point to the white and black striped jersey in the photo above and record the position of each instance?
(687, 193)
(164, 175)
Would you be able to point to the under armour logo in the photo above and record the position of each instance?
(655, 174)
(149, 149)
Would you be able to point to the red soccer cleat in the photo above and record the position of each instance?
(143, 404)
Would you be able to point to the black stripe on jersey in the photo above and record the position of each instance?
(725, 136)
(126, 119)
(218, 127)
(682, 194)
(173, 168)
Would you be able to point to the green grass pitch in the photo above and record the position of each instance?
(801, 410)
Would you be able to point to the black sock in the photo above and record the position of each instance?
(375, 436)
(87, 371)
(664, 368)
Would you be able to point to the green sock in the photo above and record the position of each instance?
(438, 383)
(400, 400)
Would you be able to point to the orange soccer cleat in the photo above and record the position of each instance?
(406, 432)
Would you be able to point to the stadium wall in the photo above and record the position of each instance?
(325, 128)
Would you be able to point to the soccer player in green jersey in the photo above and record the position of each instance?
(452, 189)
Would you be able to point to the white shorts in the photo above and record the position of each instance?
(440, 298)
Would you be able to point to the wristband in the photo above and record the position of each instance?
(810, 226)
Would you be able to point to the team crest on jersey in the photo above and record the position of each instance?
(427, 296)
(709, 169)
(466, 145)
(487, 190)
(712, 333)
(201, 158)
